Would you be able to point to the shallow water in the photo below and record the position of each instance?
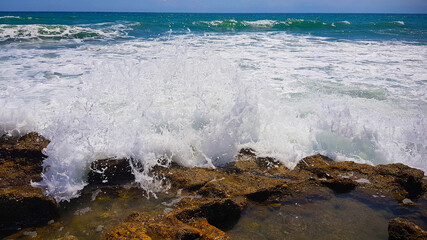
(340, 217)
(95, 213)
(345, 216)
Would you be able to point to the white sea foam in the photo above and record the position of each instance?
(399, 22)
(345, 22)
(10, 17)
(297, 21)
(37, 31)
(196, 100)
(220, 22)
(260, 23)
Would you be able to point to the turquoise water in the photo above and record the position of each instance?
(195, 88)
(337, 26)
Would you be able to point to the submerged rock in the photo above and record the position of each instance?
(21, 204)
(402, 229)
(343, 185)
(138, 226)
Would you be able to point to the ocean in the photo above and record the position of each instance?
(196, 88)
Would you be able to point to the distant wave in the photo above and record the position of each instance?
(264, 23)
(387, 24)
(40, 31)
(399, 22)
(260, 23)
(292, 25)
(15, 17)
(9, 17)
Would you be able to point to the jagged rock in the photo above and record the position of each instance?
(110, 172)
(20, 163)
(138, 226)
(247, 161)
(402, 229)
(25, 206)
(407, 177)
(397, 179)
(343, 185)
(21, 159)
(192, 179)
(221, 213)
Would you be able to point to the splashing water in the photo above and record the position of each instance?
(195, 99)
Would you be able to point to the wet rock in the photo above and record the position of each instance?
(244, 184)
(223, 183)
(221, 213)
(407, 201)
(29, 146)
(20, 163)
(408, 178)
(398, 180)
(70, 237)
(21, 159)
(138, 226)
(25, 206)
(324, 167)
(343, 185)
(110, 172)
(192, 179)
(402, 229)
(247, 161)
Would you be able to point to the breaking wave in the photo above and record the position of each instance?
(10, 32)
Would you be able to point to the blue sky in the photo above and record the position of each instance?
(285, 6)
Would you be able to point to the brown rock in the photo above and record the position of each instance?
(402, 229)
(192, 178)
(247, 161)
(110, 172)
(70, 237)
(222, 193)
(340, 185)
(410, 179)
(138, 226)
(221, 213)
(20, 163)
(398, 180)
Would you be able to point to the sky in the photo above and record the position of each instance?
(220, 6)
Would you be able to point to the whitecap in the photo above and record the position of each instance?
(399, 22)
(260, 23)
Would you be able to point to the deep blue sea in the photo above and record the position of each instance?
(195, 88)
(378, 27)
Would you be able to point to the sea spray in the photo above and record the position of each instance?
(193, 110)
(196, 97)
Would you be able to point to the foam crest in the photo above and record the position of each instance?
(10, 17)
(399, 22)
(40, 31)
(260, 23)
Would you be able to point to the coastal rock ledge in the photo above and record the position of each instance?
(213, 199)
(402, 229)
(20, 163)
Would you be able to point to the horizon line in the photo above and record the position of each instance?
(47, 11)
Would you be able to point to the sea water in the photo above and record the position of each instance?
(195, 88)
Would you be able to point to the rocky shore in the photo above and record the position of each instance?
(214, 199)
